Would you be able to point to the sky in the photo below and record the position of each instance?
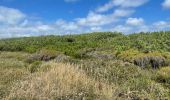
(24, 18)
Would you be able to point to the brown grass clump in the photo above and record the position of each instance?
(62, 81)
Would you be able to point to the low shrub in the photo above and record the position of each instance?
(62, 58)
(127, 55)
(81, 54)
(164, 75)
(150, 59)
(101, 55)
(31, 49)
(42, 55)
(153, 61)
(34, 67)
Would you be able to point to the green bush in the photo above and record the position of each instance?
(42, 55)
(150, 59)
(164, 75)
(35, 66)
(31, 49)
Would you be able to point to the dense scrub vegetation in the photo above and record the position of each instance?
(70, 44)
(95, 66)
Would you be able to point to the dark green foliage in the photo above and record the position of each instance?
(70, 40)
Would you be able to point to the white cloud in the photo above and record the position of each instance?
(129, 3)
(122, 28)
(67, 26)
(44, 27)
(126, 29)
(161, 25)
(105, 7)
(96, 29)
(10, 15)
(120, 3)
(135, 21)
(96, 19)
(123, 12)
(156, 26)
(166, 4)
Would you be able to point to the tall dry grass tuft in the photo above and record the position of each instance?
(62, 81)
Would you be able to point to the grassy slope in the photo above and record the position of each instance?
(99, 67)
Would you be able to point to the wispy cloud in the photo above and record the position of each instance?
(120, 3)
(10, 15)
(166, 4)
(96, 19)
(135, 21)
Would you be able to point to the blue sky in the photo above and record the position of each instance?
(45, 17)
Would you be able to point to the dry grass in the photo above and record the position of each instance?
(12, 69)
(85, 79)
(62, 81)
